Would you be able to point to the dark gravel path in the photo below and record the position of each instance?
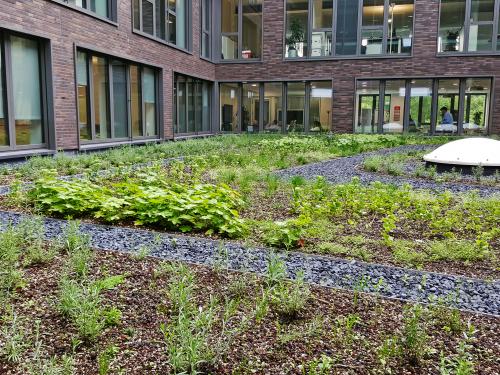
(343, 170)
(392, 282)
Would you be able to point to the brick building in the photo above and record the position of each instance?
(83, 74)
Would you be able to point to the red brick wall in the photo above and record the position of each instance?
(66, 27)
(424, 62)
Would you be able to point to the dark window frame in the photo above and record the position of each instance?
(46, 107)
(112, 10)
(333, 55)
(110, 100)
(206, 30)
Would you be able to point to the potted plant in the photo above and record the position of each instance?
(296, 36)
(477, 117)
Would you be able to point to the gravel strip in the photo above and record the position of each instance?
(343, 170)
(392, 282)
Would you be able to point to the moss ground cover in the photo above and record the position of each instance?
(80, 312)
(224, 196)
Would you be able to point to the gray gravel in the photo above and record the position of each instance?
(392, 282)
(343, 170)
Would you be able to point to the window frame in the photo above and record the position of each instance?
(112, 7)
(238, 34)
(360, 28)
(206, 29)
(46, 109)
(140, 31)
(434, 103)
(110, 100)
(495, 39)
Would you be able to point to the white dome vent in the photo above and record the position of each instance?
(467, 152)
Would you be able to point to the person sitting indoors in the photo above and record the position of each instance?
(446, 116)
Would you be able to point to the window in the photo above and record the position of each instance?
(116, 100)
(469, 26)
(22, 92)
(167, 20)
(426, 106)
(274, 107)
(103, 8)
(324, 28)
(206, 28)
(193, 102)
(241, 36)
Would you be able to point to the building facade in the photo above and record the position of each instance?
(85, 74)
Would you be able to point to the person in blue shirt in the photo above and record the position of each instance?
(447, 117)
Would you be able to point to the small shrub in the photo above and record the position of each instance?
(288, 299)
(414, 337)
(14, 338)
(288, 234)
(105, 359)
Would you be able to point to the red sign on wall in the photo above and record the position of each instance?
(397, 113)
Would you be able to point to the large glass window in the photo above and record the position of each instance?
(116, 100)
(476, 105)
(229, 102)
(167, 20)
(206, 28)
(250, 108)
(193, 98)
(367, 99)
(297, 22)
(468, 26)
(21, 64)
(366, 27)
(273, 110)
(458, 106)
(100, 7)
(241, 38)
(295, 105)
(320, 106)
(420, 106)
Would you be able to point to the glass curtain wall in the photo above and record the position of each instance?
(273, 107)
(250, 108)
(297, 12)
(321, 33)
(346, 41)
(367, 99)
(320, 106)
(372, 27)
(21, 64)
(458, 106)
(116, 100)
(400, 26)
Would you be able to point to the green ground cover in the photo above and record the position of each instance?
(232, 194)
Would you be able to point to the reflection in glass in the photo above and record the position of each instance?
(482, 10)
(4, 130)
(373, 13)
(26, 91)
(83, 93)
(101, 101)
(296, 28)
(120, 111)
(320, 106)
(394, 106)
(135, 101)
(181, 104)
(448, 106)
(346, 40)
(322, 14)
(149, 92)
(250, 108)
(273, 121)
(420, 106)
(190, 106)
(451, 26)
(205, 107)
(400, 26)
(100, 7)
(367, 98)
(229, 93)
(295, 107)
(371, 42)
(477, 104)
(480, 37)
(148, 17)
